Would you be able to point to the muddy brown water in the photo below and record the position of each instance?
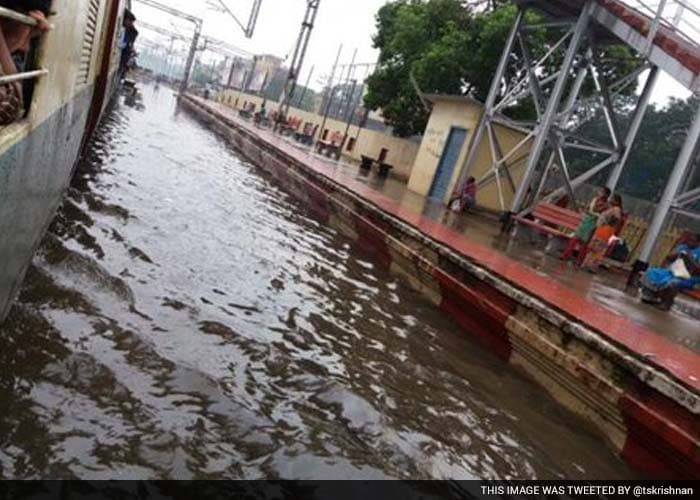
(186, 318)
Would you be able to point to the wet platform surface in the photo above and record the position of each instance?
(669, 340)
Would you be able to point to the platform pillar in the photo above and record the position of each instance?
(673, 189)
(490, 102)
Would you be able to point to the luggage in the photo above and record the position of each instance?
(620, 252)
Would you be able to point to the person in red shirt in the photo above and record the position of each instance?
(467, 198)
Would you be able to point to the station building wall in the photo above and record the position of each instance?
(457, 111)
(401, 153)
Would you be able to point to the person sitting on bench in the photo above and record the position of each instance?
(584, 233)
(660, 286)
(467, 198)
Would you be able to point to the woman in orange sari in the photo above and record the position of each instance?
(608, 225)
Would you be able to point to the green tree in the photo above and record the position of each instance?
(654, 153)
(452, 47)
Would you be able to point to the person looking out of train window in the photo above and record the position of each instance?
(15, 43)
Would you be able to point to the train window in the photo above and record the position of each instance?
(19, 33)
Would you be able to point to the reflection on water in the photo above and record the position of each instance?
(186, 318)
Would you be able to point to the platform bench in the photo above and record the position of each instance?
(306, 139)
(552, 220)
(383, 169)
(328, 149)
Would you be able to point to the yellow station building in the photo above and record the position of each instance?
(432, 166)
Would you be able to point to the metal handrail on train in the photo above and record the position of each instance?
(25, 75)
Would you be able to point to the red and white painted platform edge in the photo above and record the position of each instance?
(670, 368)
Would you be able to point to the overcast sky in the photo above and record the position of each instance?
(350, 22)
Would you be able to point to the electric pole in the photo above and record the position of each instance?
(297, 62)
(329, 93)
(346, 97)
(308, 82)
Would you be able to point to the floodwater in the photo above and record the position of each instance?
(186, 318)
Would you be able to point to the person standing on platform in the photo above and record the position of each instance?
(609, 224)
(584, 233)
(127, 42)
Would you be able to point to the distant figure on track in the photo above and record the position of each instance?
(126, 44)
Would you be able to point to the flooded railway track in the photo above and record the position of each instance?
(186, 317)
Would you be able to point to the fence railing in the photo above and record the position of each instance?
(679, 16)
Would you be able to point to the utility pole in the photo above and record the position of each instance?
(169, 57)
(247, 80)
(297, 62)
(365, 115)
(195, 39)
(231, 73)
(303, 92)
(351, 70)
(190, 58)
(213, 73)
(349, 115)
(329, 93)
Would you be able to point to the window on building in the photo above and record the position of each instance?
(351, 144)
(325, 134)
(382, 155)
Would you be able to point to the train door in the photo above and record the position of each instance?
(102, 80)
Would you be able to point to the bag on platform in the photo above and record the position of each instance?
(620, 251)
(680, 270)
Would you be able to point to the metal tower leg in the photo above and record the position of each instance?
(569, 107)
(673, 190)
(550, 114)
(490, 101)
(639, 113)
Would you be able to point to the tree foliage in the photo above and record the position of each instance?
(654, 153)
(450, 47)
